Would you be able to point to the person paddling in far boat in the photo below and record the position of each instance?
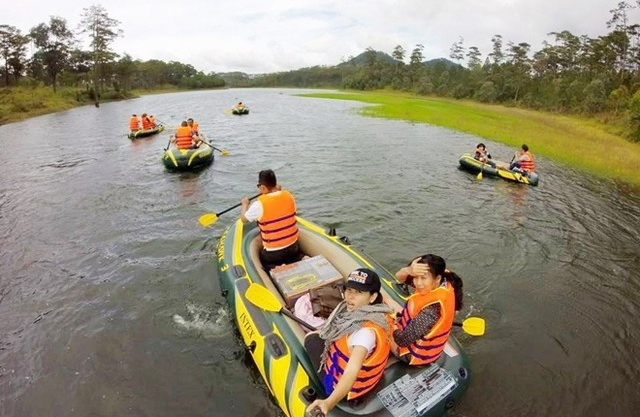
(195, 127)
(523, 161)
(275, 212)
(146, 122)
(153, 121)
(423, 326)
(482, 155)
(184, 137)
(356, 341)
(134, 123)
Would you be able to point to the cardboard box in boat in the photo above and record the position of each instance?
(296, 279)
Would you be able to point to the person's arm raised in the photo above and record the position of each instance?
(415, 269)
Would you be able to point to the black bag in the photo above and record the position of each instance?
(325, 299)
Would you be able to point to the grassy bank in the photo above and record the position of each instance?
(581, 143)
(19, 103)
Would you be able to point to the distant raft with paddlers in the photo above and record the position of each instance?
(145, 132)
(240, 110)
(469, 163)
(175, 159)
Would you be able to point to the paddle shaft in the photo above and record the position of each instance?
(295, 318)
(237, 205)
(207, 143)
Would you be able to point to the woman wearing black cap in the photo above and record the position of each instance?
(356, 336)
(426, 319)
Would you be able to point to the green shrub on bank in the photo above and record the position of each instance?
(33, 99)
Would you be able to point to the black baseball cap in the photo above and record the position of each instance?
(363, 279)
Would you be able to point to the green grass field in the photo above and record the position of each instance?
(581, 143)
(19, 103)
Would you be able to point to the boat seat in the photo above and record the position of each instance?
(314, 345)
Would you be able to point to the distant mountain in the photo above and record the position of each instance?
(384, 57)
(433, 63)
(363, 57)
(241, 79)
(236, 78)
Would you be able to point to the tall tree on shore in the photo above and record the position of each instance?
(415, 63)
(102, 31)
(54, 42)
(12, 51)
(519, 67)
(496, 54)
(473, 56)
(398, 55)
(457, 50)
(622, 35)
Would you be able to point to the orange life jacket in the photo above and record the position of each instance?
(429, 347)
(372, 367)
(133, 123)
(195, 128)
(528, 165)
(278, 225)
(183, 137)
(153, 121)
(146, 123)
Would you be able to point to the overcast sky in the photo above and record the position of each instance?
(258, 36)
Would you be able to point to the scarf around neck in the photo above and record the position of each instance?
(342, 322)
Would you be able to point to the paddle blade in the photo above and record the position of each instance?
(224, 152)
(208, 219)
(479, 176)
(473, 326)
(261, 297)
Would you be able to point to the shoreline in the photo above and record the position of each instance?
(21, 103)
(576, 142)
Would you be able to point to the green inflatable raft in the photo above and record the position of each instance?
(469, 163)
(240, 110)
(175, 159)
(281, 349)
(145, 132)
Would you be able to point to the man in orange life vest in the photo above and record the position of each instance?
(275, 211)
(146, 121)
(195, 127)
(523, 162)
(134, 124)
(184, 137)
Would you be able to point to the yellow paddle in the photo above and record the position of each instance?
(479, 176)
(261, 297)
(472, 325)
(224, 152)
(208, 219)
